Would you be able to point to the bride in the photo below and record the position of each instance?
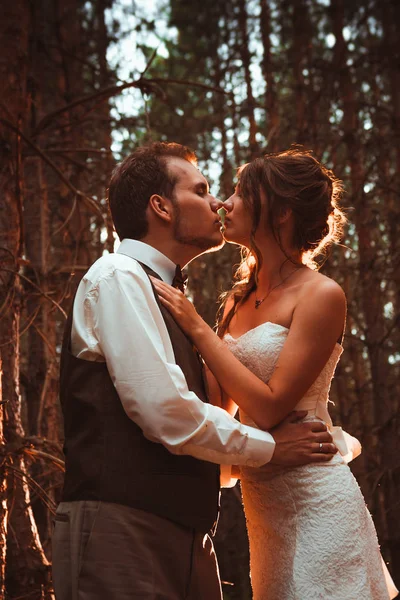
(311, 536)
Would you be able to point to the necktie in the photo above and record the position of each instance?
(180, 280)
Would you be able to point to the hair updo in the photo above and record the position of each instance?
(293, 180)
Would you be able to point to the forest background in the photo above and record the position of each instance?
(84, 83)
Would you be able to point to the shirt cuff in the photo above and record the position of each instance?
(225, 479)
(259, 448)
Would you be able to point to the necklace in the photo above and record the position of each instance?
(258, 303)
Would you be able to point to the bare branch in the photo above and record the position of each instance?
(23, 476)
(190, 83)
(90, 201)
(34, 285)
(105, 93)
(78, 150)
(40, 454)
(30, 320)
(71, 268)
(50, 346)
(144, 84)
(152, 57)
(68, 218)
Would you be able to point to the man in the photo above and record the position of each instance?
(142, 444)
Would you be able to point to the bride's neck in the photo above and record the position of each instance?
(275, 267)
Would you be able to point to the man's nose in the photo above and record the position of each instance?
(216, 204)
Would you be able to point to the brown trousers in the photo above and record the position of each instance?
(104, 551)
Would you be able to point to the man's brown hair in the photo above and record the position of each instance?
(140, 175)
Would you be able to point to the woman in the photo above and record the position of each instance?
(310, 534)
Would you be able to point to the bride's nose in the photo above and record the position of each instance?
(228, 204)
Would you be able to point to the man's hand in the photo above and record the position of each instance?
(301, 443)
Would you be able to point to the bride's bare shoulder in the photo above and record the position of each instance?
(319, 288)
(322, 282)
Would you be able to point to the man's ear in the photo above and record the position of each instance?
(160, 207)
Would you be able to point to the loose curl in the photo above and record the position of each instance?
(293, 180)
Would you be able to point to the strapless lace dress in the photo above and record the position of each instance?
(311, 536)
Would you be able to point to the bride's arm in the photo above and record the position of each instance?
(217, 395)
(316, 325)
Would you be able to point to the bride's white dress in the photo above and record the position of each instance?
(311, 536)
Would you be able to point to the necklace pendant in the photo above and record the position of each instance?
(257, 303)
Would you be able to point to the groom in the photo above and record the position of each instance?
(142, 444)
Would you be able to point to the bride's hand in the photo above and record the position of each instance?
(180, 307)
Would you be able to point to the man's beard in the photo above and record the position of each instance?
(204, 244)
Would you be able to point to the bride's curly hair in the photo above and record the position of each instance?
(295, 180)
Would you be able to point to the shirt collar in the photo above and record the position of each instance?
(158, 262)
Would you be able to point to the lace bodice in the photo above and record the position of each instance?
(259, 348)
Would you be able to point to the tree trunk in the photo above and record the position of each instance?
(299, 60)
(3, 495)
(246, 60)
(370, 266)
(26, 569)
(271, 100)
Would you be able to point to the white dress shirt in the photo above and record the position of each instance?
(117, 320)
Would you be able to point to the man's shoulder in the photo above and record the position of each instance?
(113, 265)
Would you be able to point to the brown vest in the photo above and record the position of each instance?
(107, 456)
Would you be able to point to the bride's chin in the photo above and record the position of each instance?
(230, 239)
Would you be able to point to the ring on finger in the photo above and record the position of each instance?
(320, 446)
